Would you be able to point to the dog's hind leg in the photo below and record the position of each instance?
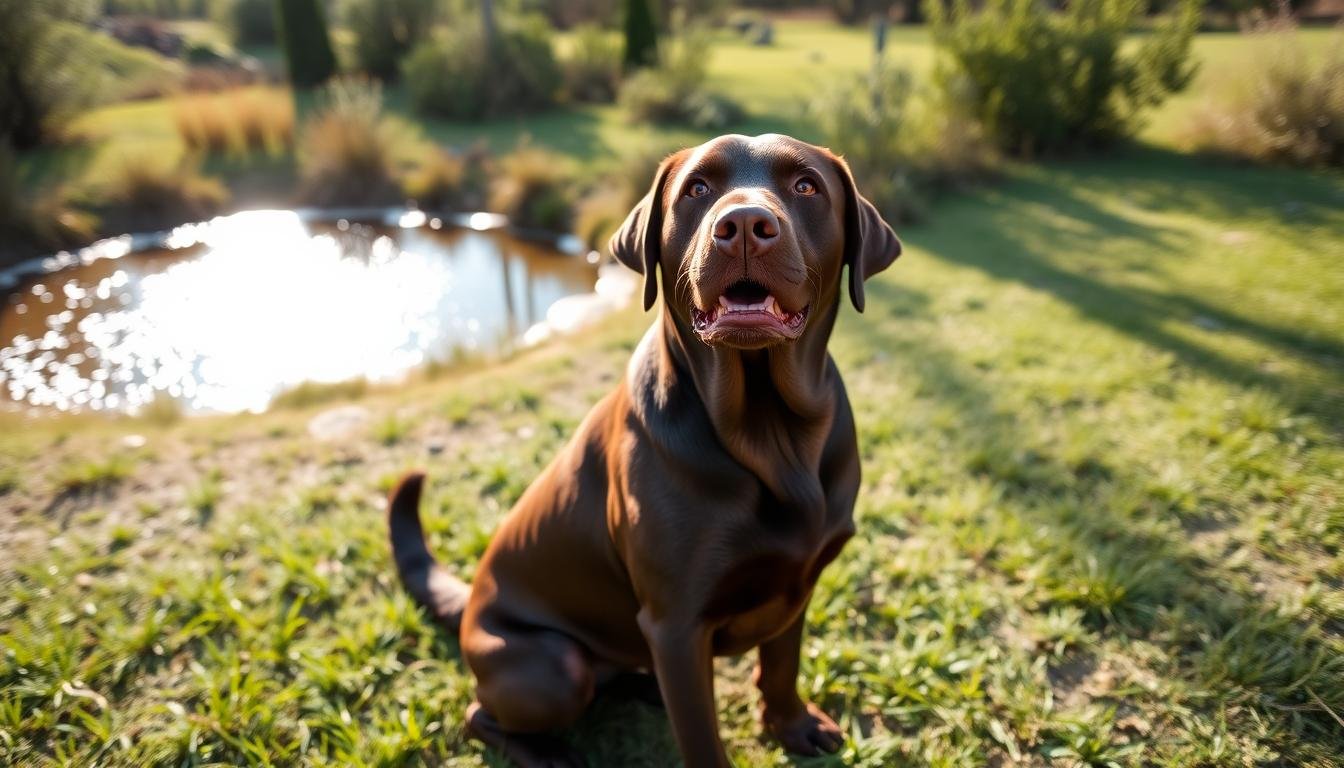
(529, 684)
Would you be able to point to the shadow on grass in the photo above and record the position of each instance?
(1053, 237)
(1116, 550)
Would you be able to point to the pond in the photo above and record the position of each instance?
(223, 315)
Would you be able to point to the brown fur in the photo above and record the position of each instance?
(693, 510)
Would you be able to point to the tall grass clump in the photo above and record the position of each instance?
(144, 194)
(675, 92)
(903, 143)
(31, 223)
(236, 121)
(345, 151)
(534, 188)
(1288, 109)
(593, 65)
(1046, 80)
(460, 76)
(621, 184)
(450, 181)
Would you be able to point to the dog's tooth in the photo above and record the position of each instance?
(723, 302)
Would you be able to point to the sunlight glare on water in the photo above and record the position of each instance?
(263, 304)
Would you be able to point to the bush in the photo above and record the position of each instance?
(1289, 110)
(145, 194)
(593, 66)
(251, 22)
(902, 144)
(33, 223)
(600, 212)
(1042, 80)
(345, 152)
(674, 92)
(303, 29)
(456, 77)
(386, 30)
(446, 181)
(236, 121)
(534, 189)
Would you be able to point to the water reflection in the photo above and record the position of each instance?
(261, 301)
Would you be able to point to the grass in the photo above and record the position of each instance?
(1101, 521)
(767, 81)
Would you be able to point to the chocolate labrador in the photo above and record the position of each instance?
(692, 512)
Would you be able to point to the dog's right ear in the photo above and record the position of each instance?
(637, 244)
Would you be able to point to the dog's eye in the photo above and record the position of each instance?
(697, 188)
(805, 186)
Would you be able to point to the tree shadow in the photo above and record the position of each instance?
(1146, 546)
(1047, 231)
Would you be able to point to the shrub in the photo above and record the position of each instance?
(674, 92)
(1289, 110)
(534, 189)
(251, 22)
(32, 223)
(600, 212)
(593, 66)
(236, 121)
(457, 78)
(446, 181)
(903, 144)
(641, 35)
(345, 152)
(145, 194)
(1042, 80)
(303, 30)
(386, 30)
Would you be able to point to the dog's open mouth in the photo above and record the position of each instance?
(748, 306)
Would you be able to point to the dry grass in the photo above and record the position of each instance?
(346, 152)
(1288, 109)
(449, 181)
(239, 121)
(534, 189)
(144, 194)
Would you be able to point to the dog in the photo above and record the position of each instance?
(692, 512)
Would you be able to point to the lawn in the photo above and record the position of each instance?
(1101, 414)
(773, 83)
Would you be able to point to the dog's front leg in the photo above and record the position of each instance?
(801, 727)
(683, 660)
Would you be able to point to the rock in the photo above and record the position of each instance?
(336, 423)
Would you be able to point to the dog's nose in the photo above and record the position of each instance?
(752, 223)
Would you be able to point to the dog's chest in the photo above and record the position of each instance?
(761, 594)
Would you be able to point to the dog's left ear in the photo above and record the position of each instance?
(638, 243)
(870, 244)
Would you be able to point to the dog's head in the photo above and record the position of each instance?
(751, 234)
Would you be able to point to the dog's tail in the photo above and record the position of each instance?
(444, 595)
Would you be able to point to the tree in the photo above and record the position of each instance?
(303, 30)
(641, 35)
(39, 80)
(387, 30)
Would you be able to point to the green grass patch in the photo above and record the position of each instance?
(100, 474)
(1099, 414)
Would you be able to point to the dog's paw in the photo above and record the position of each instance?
(810, 732)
